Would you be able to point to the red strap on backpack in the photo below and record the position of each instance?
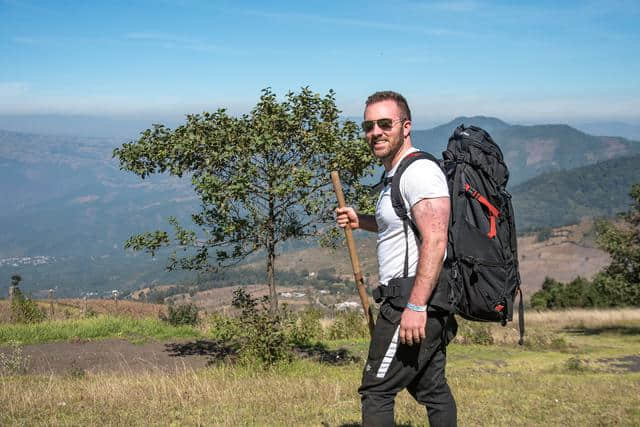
(493, 212)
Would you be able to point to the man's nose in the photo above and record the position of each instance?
(377, 130)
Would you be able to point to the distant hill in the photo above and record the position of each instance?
(532, 150)
(66, 198)
(625, 130)
(564, 197)
(435, 140)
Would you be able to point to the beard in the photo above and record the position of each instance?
(391, 145)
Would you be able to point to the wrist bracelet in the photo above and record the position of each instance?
(419, 308)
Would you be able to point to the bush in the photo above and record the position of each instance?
(184, 314)
(545, 340)
(348, 324)
(615, 291)
(473, 333)
(305, 328)
(577, 293)
(224, 328)
(575, 364)
(262, 337)
(24, 310)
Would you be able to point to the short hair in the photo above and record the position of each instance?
(385, 95)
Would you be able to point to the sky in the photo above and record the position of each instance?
(521, 61)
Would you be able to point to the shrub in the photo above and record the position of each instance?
(348, 324)
(575, 364)
(577, 293)
(24, 310)
(184, 314)
(473, 333)
(224, 328)
(613, 290)
(305, 328)
(262, 337)
(545, 340)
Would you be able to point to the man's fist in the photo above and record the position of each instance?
(347, 216)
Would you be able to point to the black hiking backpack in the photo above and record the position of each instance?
(480, 277)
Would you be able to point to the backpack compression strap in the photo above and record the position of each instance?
(493, 211)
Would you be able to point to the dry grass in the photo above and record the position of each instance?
(5, 312)
(217, 396)
(580, 318)
(530, 388)
(545, 328)
(111, 307)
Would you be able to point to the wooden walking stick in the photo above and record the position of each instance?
(355, 262)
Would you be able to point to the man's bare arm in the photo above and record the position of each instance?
(431, 217)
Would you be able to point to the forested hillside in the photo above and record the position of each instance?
(563, 197)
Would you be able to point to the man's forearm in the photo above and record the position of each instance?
(367, 222)
(430, 257)
(432, 219)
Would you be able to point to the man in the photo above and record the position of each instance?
(408, 345)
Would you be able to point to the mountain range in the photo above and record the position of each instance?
(66, 198)
(532, 150)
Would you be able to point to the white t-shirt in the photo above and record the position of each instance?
(423, 179)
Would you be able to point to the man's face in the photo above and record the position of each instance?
(385, 143)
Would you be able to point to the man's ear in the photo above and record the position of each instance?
(406, 128)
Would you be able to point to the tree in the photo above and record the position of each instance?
(620, 281)
(616, 285)
(262, 178)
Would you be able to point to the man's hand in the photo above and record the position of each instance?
(347, 216)
(413, 327)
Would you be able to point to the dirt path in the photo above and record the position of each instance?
(116, 355)
(77, 358)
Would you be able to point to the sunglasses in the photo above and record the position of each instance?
(384, 124)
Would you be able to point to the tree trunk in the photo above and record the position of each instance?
(271, 257)
(273, 295)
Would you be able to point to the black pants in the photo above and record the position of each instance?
(420, 369)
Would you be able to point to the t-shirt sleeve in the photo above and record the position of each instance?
(423, 179)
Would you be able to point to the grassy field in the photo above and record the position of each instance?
(579, 368)
(99, 327)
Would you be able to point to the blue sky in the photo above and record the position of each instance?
(545, 61)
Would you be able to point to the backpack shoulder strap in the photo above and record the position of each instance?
(396, 196)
